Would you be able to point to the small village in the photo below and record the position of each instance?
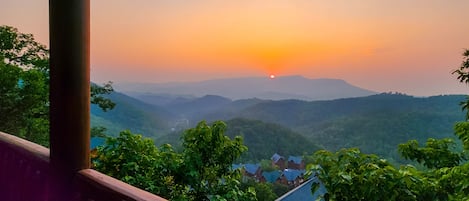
(289, 172)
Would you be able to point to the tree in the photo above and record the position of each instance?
(24, 81)
(435, 154)
(279, 189)
(24, 102)
(208, 157)
(22, 50)
(267, 166)
(351, 175)
(202, 171)
(264, 191)
(137, 161)
(97, 97)
(463, 77)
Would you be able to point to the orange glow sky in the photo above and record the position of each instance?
(409, 46)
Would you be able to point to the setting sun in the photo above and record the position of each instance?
(166, 41)
(272, 76)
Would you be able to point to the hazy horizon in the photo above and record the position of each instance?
(402, 46)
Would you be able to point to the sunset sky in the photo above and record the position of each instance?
(409, 46)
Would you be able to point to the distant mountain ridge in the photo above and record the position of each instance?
(280, 88)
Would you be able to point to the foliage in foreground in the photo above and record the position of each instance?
(202, 171)
(351, 175)
(24, 87)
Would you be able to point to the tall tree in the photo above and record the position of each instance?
(208, 155)
(25, 90)
(24, 87)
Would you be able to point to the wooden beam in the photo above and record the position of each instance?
(100, 187)
(69, 93)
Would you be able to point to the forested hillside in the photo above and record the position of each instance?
(375, 124)
(265, 139)
(132, 114)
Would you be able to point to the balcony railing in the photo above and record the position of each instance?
(24, 176)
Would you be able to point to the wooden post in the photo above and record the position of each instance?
(69, 23)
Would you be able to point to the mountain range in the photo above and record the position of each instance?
(279, 88)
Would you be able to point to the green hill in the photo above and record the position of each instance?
(265, 139)
(132, 114)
